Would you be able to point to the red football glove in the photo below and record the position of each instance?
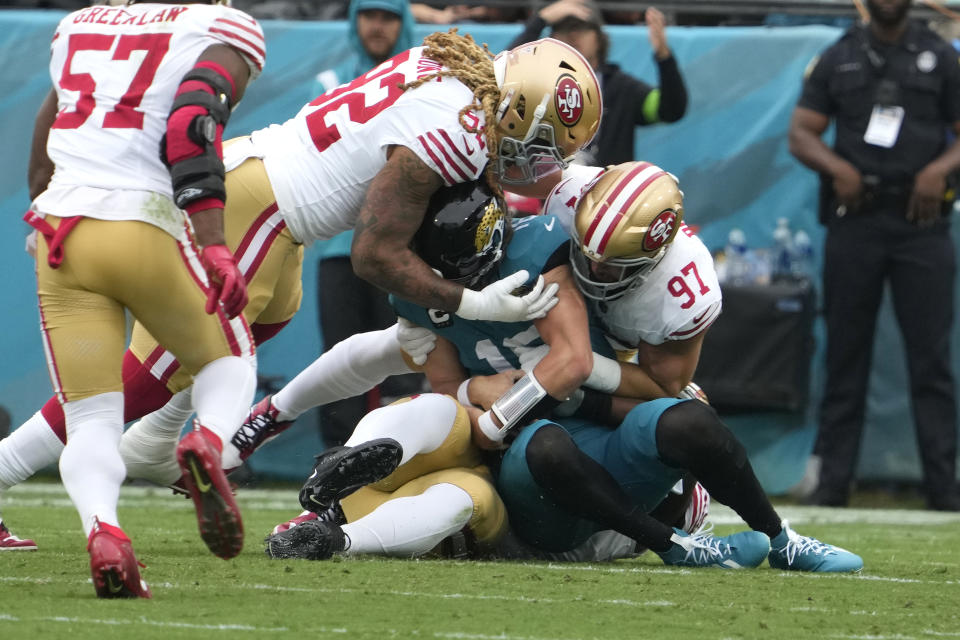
(226, 282)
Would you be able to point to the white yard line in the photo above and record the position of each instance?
(141, 621)
(385, 592)
(32, 494)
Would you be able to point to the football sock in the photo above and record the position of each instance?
(420, 425)
(90, 465)
(583, 487)
(411, 526)
(222, 395)
(149, 446)
(351, 367)
(691, 436)
(28, 449)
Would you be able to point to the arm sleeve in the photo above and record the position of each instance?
(673, 92)
(531, 31)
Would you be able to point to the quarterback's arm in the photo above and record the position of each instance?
(40, 169)
(445, 374)
(566, 330)
(443, 369)
(389, 217)
(562, 370)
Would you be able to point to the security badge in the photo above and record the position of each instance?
(884, 126)
(886, 120)
(887, 116)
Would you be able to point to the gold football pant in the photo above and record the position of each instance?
(457, 462)
(267, 255)
(112, 265)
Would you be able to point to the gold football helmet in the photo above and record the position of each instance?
(623, 225)
(550, 107)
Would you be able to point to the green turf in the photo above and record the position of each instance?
(910, 587)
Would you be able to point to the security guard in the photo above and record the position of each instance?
(892, 88)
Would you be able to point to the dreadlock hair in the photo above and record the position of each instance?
(471, 64)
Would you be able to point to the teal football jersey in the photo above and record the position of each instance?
(539, 243)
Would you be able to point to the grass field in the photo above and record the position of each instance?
(909, 588)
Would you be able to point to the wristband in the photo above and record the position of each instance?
(605, 375)
(490, 429)
(462, 396)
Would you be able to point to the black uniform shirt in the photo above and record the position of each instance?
(920, 73)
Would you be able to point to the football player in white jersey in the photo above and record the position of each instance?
(121, 231)
(368, 153)
(657, 298)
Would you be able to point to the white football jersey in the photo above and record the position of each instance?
(321, 162)
(116, 71)
(678, 299)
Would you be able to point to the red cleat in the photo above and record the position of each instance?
(112, 564)
(217, 514)
(10, 542)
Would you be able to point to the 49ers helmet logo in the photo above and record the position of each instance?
(659, 230)
(569, 100)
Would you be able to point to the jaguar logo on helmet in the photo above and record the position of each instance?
(491, 221)
(660, 230)
(569, 100)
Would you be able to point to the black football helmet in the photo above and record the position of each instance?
(463, 234)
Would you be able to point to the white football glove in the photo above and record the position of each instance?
(416, 341)
(496, 301)
(530, 357)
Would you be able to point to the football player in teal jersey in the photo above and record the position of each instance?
(563, 478)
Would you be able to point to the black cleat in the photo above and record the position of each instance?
(311, 540)
(260, 427)
(342, 470)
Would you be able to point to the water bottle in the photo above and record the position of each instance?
(802, 266)
(782, 250)
(737, 264)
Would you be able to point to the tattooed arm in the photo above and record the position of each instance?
(389, 217)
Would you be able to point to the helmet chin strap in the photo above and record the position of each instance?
(538, 114)
(502, 108)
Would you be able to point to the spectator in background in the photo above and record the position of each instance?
(627, 101)
(892, 88)
(378, 30)
(348, 304)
